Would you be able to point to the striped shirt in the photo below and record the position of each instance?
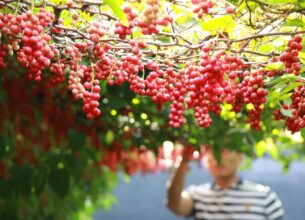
(245, 200)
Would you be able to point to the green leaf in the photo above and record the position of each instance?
(164, 39)
(234, 2)
(260, 148)
(288, 101)
(103, 85)
(192, 141)
(286, 112)
(109, 137)
(76, 139)
(275, 66)
(21, 178)
(274, 83)
(277, 2)
(303, 133)
(2, 146)
(301, 3)
(58, 2)
(76, 165)
(39, 180)
(273, 150)
(267, 47)
(302, 53)
(127, 143)
(294, 23)
(185, 19)
(67, 18)
(290, 87)
(222, 24)
(217, 153)
(284, 96)
(115, 6)
(2, 95)
(59, 181)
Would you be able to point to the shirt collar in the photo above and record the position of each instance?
(234, 186)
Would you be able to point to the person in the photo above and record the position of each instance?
(229, 197)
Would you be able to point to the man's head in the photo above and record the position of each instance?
(230, 161)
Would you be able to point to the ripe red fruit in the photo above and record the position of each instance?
(298, 38)
(229, 9)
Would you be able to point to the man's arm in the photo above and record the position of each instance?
(179, 201)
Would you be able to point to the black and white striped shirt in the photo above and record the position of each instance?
(245, 200)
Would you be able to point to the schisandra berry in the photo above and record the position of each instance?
(122, 30)
(75, 83)
(229, 9)
(2, 55)
(58, 70)
(156, 87)
(35, 53)
(297, 120)
(290, 56)
(202, 7)
(91, 99)
(96, 31)
(207, 86)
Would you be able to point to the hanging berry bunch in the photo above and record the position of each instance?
(291, 55)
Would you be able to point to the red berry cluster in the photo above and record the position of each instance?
(76, 74)
(1, 21)
(149, 17)
(202, 7)
(297, 120)
(136, 159)
(75, 83)
(252, 87)
(254, 93)
(91, 97)
(96, 31)
(106, 67)
(58, 71)
(35, 53)
(178, 91)
(149, 20)
(137, 46)
(111, 70)
(156, 86)
(233, 95)
(137, 84)
(2, 55)
(229, 9)
(150, 12)
(132, 64)
(207, 84)
(277, 113)
(196, 98)
(290, 56)
(133, 159)
(272, 73)
(100, 50)
(176, 118)
(122, 30)
(151, 28)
